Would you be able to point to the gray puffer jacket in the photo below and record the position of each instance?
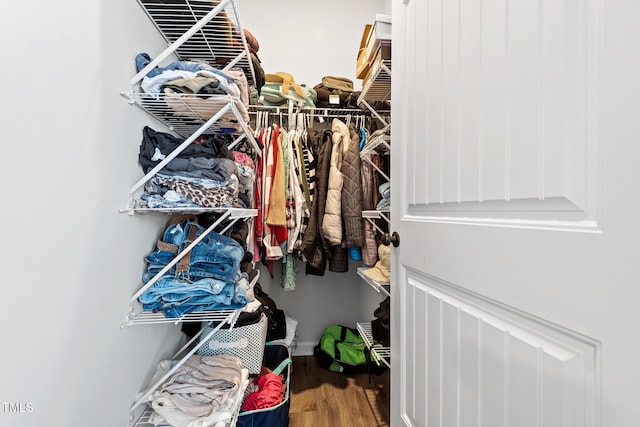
(352, 191)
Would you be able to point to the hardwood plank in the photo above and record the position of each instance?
(322, 398)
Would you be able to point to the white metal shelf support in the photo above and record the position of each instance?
(232, 214)
(380, 287)
(230, 319)
(151, 318)
(381, 354)
(179, 42)
(375, 214)
(375, 145)
(229, 106)
(374, 112)
(196, 31)
(382, 93)
(380, 143)
(245, 48)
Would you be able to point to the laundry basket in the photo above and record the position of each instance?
(276, 358)
(246, 342)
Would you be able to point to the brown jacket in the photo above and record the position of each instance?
(314, 247)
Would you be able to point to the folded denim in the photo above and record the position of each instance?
(216, 251)
(212, 279)
(169, 291)
(176, 304)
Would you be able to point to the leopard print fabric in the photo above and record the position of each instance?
(219, 197)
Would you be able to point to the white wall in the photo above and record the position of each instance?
(311, 40)
(70, 260)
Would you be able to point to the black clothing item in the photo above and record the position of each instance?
(156, 143)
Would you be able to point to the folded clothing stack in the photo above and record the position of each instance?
(204, 391)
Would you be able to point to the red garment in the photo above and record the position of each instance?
(257, 194)
(270, 393)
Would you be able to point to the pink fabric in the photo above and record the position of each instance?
(270, 393)
(243, 159)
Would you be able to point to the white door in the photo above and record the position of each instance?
(515, 183)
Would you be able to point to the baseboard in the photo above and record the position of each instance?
(303, 349)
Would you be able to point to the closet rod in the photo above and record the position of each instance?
(319, 112)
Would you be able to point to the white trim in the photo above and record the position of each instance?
(303, 349)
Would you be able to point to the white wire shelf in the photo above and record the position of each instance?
(208, 125)
(377, 214)
(202, 30)
(378, 86)
(380, 144)
(381, 354)
(235, 212)
(186, 114)
(187, 350)
(135, 317)
(145, 419)
(152, 318)
(382, 287)
(315, 111)
(218, 316)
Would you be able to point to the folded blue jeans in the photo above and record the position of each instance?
(216, 256)
(206, 278)
(176, 298)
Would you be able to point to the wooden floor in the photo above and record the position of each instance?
(320, 398)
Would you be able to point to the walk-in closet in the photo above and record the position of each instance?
(152, 276)
(272, 169)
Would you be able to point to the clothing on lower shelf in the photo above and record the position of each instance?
(204, 391)
(192, 89)
(205, 174)
(208, 277)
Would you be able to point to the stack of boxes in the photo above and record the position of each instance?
(375, 48)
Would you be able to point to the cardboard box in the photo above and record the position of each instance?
(362, 63)
(382, 53)
(375, 42)
(381, 27)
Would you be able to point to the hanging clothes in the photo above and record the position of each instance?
(352, 191)
(332, 221)
(314, 245)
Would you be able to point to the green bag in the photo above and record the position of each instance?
(341, 349)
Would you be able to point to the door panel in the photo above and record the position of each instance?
(514, 181)
(499, 107)
(478, 361)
